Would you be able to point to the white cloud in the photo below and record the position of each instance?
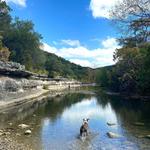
(110, 43)
(71, 42)
(87, 57)
(48, 48)
(100, 8)
(17, 2)
(91, 110)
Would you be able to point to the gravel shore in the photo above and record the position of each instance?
(6, 143)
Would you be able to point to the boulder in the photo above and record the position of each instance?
(14, 69)
(11, 65)
(23, 126)
(27, 132)
(10, 123)
(18, 134)
(112, 135)
(111, 124)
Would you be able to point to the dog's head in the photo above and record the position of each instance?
(86, 120)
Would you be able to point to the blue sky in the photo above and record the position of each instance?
(77, 30)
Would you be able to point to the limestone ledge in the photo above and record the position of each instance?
(8, 84)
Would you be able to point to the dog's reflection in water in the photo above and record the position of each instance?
(84, 129)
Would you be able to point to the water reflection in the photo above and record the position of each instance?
(56, 122)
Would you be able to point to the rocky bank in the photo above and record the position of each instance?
(18, 84)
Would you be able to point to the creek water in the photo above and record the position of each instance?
(55, 122)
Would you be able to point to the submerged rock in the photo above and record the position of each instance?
(27, 132)
(18, 134)
(111, 124)
(10, 123)
(148, 136)
(113, 135)
(23, 126)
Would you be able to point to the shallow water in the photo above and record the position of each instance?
(55, 123)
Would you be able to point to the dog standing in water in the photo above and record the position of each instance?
(84, 128)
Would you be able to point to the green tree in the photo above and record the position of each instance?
(131, 72)
(4, 54)
(5, 18)
(24, 43)
(102, 77)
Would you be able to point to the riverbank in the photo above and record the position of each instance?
(18, 86)
(15, 99)
(21, 98)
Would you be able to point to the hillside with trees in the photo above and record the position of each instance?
(21, 43)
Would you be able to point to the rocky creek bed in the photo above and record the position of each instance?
(8, 139)
(7, 143)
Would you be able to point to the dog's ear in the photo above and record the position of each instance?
(87, 119)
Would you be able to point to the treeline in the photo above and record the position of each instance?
(131, 74)
(20, 42)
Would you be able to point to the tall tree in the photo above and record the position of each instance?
(5, 18)
(23, 41)
(133, 18)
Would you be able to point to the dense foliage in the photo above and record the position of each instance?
(57, 66)
(4, 52)
(131, 74)
(24, 44)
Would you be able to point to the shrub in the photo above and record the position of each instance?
(4, 54)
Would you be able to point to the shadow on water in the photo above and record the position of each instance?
(129, 111)
(56, 106)
(48, 107)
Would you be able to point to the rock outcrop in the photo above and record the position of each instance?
(14, 69)
(14, 79)
(14, 85)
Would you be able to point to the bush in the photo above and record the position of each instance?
(4, 54)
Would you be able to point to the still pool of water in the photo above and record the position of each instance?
(55, 122)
